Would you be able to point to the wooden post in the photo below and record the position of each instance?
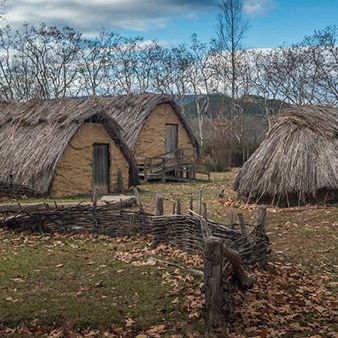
(232, 225)
(174, 208)
(201, 201)
(119, 181)
(194, 171)
(94, 198)
(145, 170)
(121, 206)
(204, 212)
(163, 170)
(178, 207)
(138, 200)
(159, 205)
(191, 203)
(261, 216)
(213, 281)
(242, 225)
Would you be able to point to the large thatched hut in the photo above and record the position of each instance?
(63, 147)
(152, 124)
(297, 163)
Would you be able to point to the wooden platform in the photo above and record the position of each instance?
(178, 166)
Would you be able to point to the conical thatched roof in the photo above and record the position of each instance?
(298, 160)
(131, 112)
(33, 136)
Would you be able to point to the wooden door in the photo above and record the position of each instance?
(101, 167)
(171, 140)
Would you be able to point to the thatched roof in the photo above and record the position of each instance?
(131, 112)
(297, 161)
(34, 135)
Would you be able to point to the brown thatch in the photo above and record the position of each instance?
(34, 135)
(297, 162)
(131, 112)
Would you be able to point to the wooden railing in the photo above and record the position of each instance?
(179, 165)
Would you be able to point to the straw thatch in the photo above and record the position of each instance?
(297, 162)
(131, 112)
(34, 135)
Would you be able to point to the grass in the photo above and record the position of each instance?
(79, 280)
(307, 235)
(88, 281)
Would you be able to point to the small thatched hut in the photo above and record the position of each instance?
(63, 147)
(152, 124)
(297, 163)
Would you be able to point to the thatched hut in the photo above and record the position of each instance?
(63, 147)
(297, 163)
(152, 124)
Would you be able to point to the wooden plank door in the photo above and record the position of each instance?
(171, 139)
(101, 167)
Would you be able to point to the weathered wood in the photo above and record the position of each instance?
(119, 184)
(178, 207)
(244, 281)
(95, 196)
(213, 281)
(200, 202)
(191, 202)
(261, 216)
(159, 205)
(241, 222)
(232, 225)
(204, 211)
(145, 170)
(138, 200)
(163, 170)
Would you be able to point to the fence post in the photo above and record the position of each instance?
(201, 202)
(159, 205)
(232, 225)
(213, 281)
(163, 170)
(94, 198)
(242, 225)
(145, 170)
(191, 203)
(178, 207)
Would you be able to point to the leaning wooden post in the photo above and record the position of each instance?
(201, 202)
(204, 211)
(213, 281)
(178, 207)
(191, 203)
(242, 225)
(159, 205)
(163, 170)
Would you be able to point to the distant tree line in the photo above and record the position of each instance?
(49, 62)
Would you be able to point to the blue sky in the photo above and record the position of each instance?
(272, 22)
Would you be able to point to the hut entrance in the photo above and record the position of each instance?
(101, 167)
(171, 138)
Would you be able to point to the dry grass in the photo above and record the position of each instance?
(297, 161)
(54, 282)
(307, 235)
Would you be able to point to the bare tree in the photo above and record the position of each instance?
(230, 33)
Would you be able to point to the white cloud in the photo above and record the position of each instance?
(258, 7)
(89, 16)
